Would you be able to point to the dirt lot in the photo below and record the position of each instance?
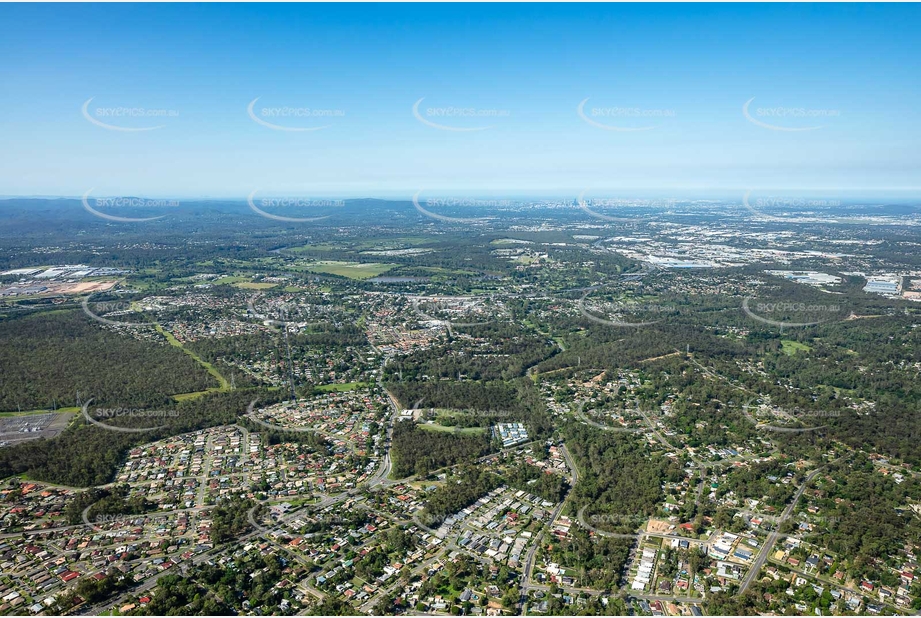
(85, 286)
(659, 526)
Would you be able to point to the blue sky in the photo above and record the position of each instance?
(847, 73)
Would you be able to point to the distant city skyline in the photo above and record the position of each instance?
(351, 101)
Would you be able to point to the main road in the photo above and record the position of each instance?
(529, 559)
(775, 534)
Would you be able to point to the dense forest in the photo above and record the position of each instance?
(866, 515)
(229, 519)
(507, 353)
(258, 346)
(106, 502)
(600, 561)
(458, 492)
(416, 451)
(619, 483)
(50, 357)
(549, 486)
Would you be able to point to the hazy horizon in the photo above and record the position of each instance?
(386, 100)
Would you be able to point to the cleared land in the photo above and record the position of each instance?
(451, 428)
(792, 347)
(352, 270)
(340, 388)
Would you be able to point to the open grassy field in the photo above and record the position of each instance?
(316, 247)
(452, 429)
(69, 409)
(230, 279)
(352, 270)
(792, 347)
(252, 285)
(526, 259)
(340, 388)
(510, 241)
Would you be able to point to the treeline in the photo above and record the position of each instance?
(607, 347)
(87, 454)
(847, 362)
(229, 519)
(48, 358)
(177, 595)
(867, 517)
(458, 492)
(490, 402)
(547, 485)
(102, 502)
(416, 451)
(332, 606)
(88, 590)
(619, 481)
(463, 395)
(271, 437)
(599, 561)
(472, 482)
(753, 482)
(260, 345)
